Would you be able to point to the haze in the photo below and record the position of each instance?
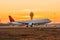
(20, 9)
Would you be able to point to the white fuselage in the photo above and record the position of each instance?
(31, 22)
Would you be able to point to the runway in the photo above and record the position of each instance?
(29, 33)
(36, 26)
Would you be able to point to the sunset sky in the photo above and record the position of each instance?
(20, 9)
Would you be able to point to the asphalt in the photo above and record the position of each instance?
(29, 33)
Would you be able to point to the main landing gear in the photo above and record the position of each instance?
(30, 25)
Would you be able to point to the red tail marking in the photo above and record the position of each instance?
(11, 19)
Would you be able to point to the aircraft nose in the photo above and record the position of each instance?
(49, 20)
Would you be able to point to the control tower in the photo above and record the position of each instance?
(31, 15)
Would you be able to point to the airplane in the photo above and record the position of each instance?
(29, 22)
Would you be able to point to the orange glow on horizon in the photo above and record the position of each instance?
(20, 9)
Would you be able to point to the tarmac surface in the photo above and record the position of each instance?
(29, 33)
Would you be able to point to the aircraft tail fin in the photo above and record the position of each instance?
(11, 19)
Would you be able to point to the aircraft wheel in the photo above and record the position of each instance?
(27, 26)
(31, 26)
